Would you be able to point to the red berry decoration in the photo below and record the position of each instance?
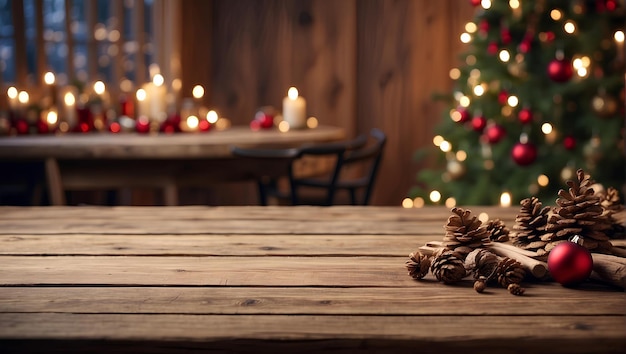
(524, 154)
(560, 70)
(525, 116)
(266, 120)
(475, 2)
(570, 263)
(115, 127)
(569, 142)
(505, 36)
(479, 123)
(495, 133)
(42, 127)
(483, 26)
(21, 126)
(204, 125)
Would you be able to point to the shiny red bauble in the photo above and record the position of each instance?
(569, 142)
(255, 125)
(265, 119)
(479, 123)
(204, 125)
(42, 127)
(495, 133)
(465, 115)
(525, 116)
(492, 48)
(505, 36)
(475, 2)
(524, 154)
(503, 97)
(560, 70)
(570, 263)
(21, 126)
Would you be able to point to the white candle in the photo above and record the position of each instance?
(12, 93)
(70, 108)
(156, 95)
(294, 109)
(143, 105)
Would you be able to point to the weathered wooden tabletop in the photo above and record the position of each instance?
(273, 279)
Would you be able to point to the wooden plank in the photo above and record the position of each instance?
(205, 271)
(215, 245)
(420, 298)
(432, 334)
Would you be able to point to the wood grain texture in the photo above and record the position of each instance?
(270, 279)
(359, 64)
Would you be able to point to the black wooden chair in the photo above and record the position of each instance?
(349, 152)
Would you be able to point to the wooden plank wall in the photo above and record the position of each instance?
(359, 63)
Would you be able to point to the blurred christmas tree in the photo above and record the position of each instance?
(540, 94)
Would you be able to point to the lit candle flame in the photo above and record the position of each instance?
(23, 97)
(52, 117)
(292, 93)
(99, 87)
(158, 80)
(69, 99)
(192, 122)
(49, 78)
(141, 95)
(198, 91)
(212, 117)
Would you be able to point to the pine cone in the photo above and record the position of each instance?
(509, 271)
(418, 265)
(497, 231)
(579, 213)
(610, 202)
(447, 266)
(481, 263)
(530, 225)
(464, 232)
(516, 289)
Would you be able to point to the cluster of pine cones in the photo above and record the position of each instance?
(579, 211)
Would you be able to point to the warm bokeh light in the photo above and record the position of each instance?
(455, 115)
(212, 117)
(312, 123)
(193, 122)
(479, 90)
(292, 93)
(407, 203)
(512, 101)
(504, 55)
(99, 87)
(461, 155)
(514, 4)
(569, 27)
(543, 180)
(418, 202)
(283, 127)
(52, 117)
(455, 74)
(158, 80)
(546, 128)
(464, 101)
(556, 14)
(466, 37)
(582, 72)
(470, 27)
(486, 4)
(483, 217)
(126, 85)
(435, 196)
(450, 202)
(619, 36)
(69, 99)
(445, 146)
(23, 97)
(141, 95)
(505, 199)
(197, 91)
(177, 84)
(438, 139)
(12, 92)
(49, 78)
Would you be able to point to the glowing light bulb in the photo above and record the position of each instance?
(438, 139)
(504, 55)
(292, 93)
(461, 155)
(569, 27)
(99, 87)
(69, 99)
(23, 97)
(141, 95)
(514, 4)
(486, 4)
(49, 78)
(312, 123)
(470, 27)
(212, 117)
(445, 146)
(505, 199)
(466, 37)
(464, 101)
(479, 90)
(197, 91)
(435, 196)
(512, 101)
(52, 117)
(193, 122)
(556, 14)
(619, 36)
(546, 128)
(283, 127)
(455, 74)
(450, 202)
(407, 203)
(418, 202)
(543, 180)
(158, 80)
(12, 92)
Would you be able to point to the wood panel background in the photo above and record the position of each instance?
(360, 64)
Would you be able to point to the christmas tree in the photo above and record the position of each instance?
(539, 94)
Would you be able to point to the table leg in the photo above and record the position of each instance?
(53, 180)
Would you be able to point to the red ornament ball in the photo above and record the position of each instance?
(503, 97)
(570, 263)
(524, 154)
(495, 133)
(464, 116)
(492, 48)
(115, 127)
(505, 35)
(265, 119)
(483, 26)
(525, 116)
(21, 126)
(204, 125)
(479, 123)
(42, 127)
(560, 70)
(255, 125)
(143, 125)
(569, 142)
(475, 2)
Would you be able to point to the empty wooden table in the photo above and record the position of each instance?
(269, 279)
(165, 161)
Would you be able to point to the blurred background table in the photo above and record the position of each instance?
(163, 161)
(270, 279)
